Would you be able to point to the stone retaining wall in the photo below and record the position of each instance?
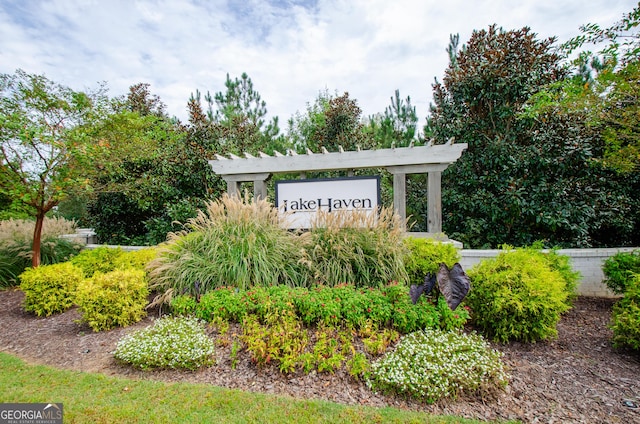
(586, 261)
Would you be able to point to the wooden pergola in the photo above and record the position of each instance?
(428, 159)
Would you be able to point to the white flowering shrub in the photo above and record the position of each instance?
(172, 342)
(433, 364)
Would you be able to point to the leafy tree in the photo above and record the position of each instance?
(397, 127)
(330, 123)
(237, 116)
(302, 127)
(521, 179)
(45, 149)
(142, 101)
(604, 88)
(150, 173)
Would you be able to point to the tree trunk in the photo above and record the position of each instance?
(37, 236)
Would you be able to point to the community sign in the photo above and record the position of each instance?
(302, 199)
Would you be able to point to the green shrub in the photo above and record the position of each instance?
(562, 264)
(12, 264)
(222, 303)
(50, 289)
(319, 305)
(340, 306)
(557, 262)
(233, 243)
(183, 305)
(619, 270)
(356, 248)
(158, 227)
(273, 300)
(625, 319)
(100, 259)
(517, 296)
(425, 257)
(177, 343)
(357, 306)
(116, 298)
(105, 259)
(434, 364)
(281, 339)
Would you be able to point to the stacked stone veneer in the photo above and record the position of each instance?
(586, 261)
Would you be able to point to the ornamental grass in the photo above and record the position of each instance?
(234, 242)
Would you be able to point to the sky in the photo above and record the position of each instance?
(291, 49)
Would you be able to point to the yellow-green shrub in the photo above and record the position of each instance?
(115, 299)
(517, 296)
(135, 259)
(425, 257)
(49, 289)
(625, 319)
(100, 259)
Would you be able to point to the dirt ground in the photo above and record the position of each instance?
(577, 378)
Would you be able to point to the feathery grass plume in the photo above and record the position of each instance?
(19, 230)
(235, 242)
(357, 247)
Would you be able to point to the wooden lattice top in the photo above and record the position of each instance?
(422, 157)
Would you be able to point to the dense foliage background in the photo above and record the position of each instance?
(552, 134)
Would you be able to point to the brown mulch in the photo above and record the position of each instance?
(577, 378)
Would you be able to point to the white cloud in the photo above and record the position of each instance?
(291, 49)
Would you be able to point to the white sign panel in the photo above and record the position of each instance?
(304, 198)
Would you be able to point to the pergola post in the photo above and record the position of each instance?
(399, 195)
(434, 192)
(233, 187)
(259, 189)
(434, 202)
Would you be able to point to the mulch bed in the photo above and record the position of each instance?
(577, 378)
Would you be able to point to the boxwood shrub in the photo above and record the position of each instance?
(50, 289)
(518, 296)
(100, 259)
(625, 320)
(113, 299)
(619, 270)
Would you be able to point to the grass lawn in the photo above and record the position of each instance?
(96, 398)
